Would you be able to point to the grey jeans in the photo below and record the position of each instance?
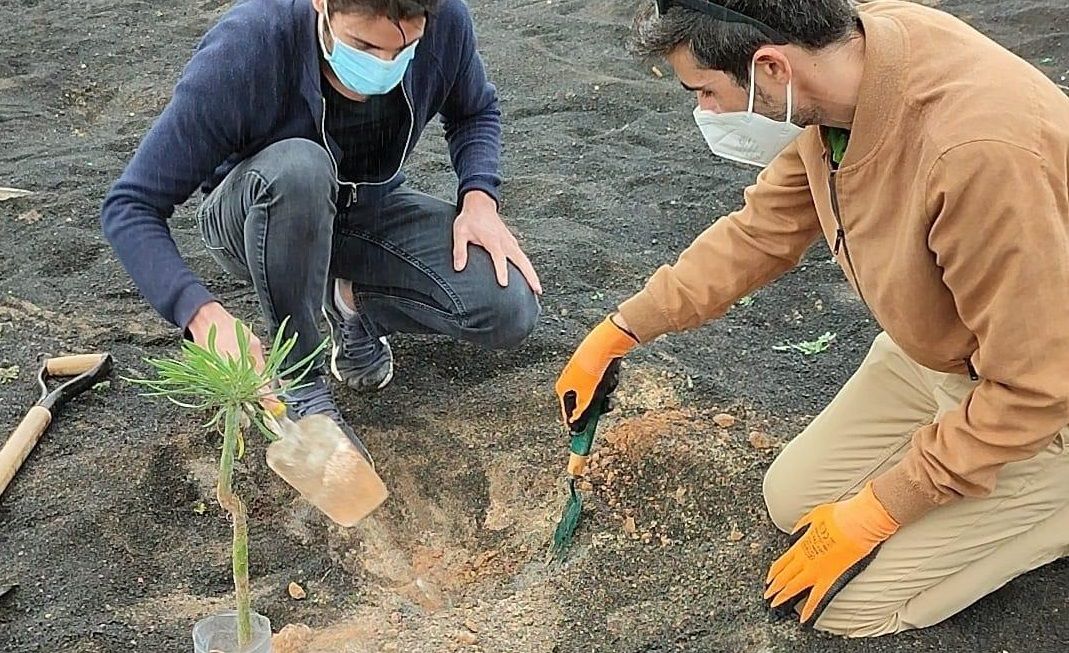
(273, 222)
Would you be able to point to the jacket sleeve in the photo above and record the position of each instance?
(223, 99)
(736, 255)
(1001, 236)
(471, 117)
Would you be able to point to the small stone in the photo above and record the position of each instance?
(724, 421)
(629, 526)
(395, 617)
(470, 625)
(679, 493)
(656, 72)
(755, 547)
(759, 440)
(466, 638)
(296, 592)
(293, 638)
(389, 647)
(483, 558)
(585, 486)
(29, 217)
(735, 534)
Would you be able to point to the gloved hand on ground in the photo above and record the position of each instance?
(591, 373)
(830, 546)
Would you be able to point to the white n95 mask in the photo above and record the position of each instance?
(745, 136)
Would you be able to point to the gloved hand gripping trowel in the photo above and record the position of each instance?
(582, 440)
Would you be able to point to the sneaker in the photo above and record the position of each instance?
(313, 396)
(357, 358)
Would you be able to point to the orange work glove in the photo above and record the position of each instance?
(591, 373)
(831, 545)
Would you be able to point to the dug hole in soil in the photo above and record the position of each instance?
(111, 529)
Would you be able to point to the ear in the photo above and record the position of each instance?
(773, 62)
(317, 5)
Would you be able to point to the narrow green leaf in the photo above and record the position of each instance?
(258, 421)
(186, 405)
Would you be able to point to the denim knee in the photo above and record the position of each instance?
(299, 178)
(521, 313)
(298, 167)
(509, 315)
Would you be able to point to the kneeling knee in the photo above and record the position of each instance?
(847, 620)
(508, 321)
(300, 169)
(782, 492)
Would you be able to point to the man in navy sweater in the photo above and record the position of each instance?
(294, 117)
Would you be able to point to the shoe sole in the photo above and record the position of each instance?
(335, 349)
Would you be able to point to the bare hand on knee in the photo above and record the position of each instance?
(479, 224)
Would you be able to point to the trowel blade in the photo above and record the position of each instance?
(4, 589)
(315, 457)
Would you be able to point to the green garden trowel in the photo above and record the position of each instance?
(582, 441)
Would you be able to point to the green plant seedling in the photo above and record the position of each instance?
(230, 390)
(811, 347)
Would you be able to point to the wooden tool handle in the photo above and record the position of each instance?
(72, 365)
(576, 464)
(22, 442)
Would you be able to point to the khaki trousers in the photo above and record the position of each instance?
(954, 555)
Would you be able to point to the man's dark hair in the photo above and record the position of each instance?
(395, 10)
(730, 46)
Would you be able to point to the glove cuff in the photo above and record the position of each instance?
(614, 339)
(621, 327)
(872, 517)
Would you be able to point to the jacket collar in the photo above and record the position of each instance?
(880, 99)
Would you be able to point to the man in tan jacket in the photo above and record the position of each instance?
(935, 166)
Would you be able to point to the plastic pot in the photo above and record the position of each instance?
(219, 634)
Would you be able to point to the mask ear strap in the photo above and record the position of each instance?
(326, 19)
(790, 101)
(753, 85)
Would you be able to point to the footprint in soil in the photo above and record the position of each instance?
(166, 489)
(66, 259)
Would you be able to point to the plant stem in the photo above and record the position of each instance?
(232, 504)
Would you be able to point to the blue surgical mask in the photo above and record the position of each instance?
(362, 72)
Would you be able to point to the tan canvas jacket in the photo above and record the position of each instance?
(950, 218)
